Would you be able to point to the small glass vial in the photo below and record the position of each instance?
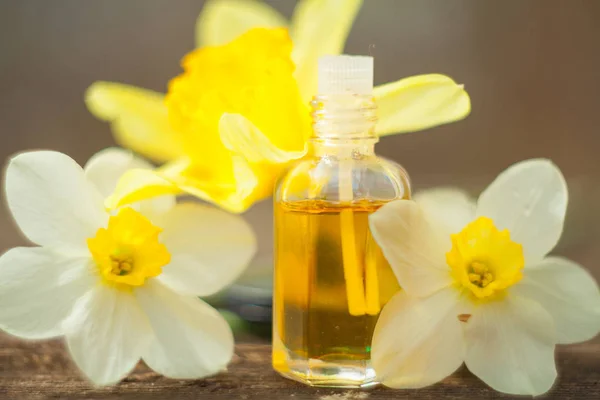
(331, 279)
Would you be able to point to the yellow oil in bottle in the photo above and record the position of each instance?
(317, 338)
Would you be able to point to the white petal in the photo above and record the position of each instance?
(107, 334)
(192, 340)
(415, 249)
(569, 293)
(209, 248)
(52, 201)
(38, 289)
(418, 342)
(510, 346)
(530, 200)
(451, 208)
(105, 169)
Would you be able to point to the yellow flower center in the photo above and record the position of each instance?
(484, 260)
(129, 251)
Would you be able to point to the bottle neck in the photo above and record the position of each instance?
(344, 125)
(334, 148)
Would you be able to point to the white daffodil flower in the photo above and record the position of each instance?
(478, 286)
(120, 286)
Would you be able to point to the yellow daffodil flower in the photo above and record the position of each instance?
(236, 117)
(479, 286)
(119, 286)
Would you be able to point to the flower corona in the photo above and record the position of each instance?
(128, 251)
(484, 260)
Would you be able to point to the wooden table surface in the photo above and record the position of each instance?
(43, 370)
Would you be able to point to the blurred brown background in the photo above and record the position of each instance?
(532, 68)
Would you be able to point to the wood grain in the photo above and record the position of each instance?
(43, 370)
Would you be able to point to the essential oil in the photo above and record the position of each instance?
(331, 279)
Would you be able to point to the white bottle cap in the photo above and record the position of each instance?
(345, 75)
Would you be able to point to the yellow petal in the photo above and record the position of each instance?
(419, 102)
(138, 119)
(319, 27)
(223, 20)
(255, 157)
(235, 194)
(137, 185)
(241, 136)
(248, 183)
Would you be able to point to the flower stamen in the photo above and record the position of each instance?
(121, 266)
(480, 274)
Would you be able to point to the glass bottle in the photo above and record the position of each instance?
(331, 279)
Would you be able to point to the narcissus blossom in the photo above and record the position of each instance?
(119, 286)
(479, 286)
(238, 115)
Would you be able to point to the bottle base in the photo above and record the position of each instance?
(348, 374)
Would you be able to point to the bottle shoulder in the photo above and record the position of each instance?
(371, 178)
